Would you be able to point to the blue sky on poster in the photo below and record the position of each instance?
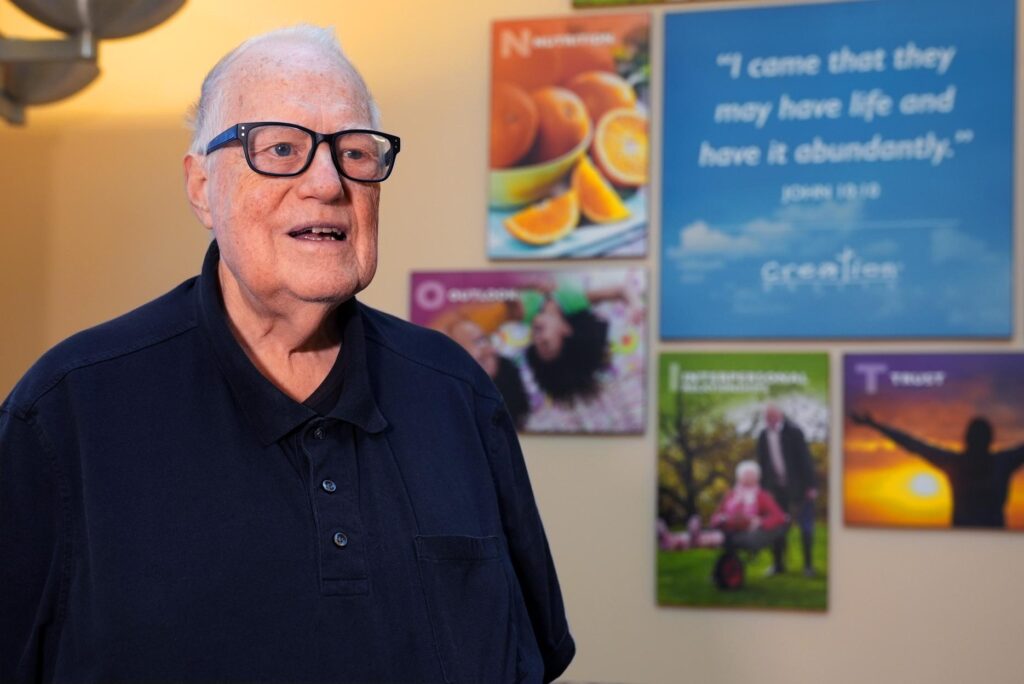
(933, 234)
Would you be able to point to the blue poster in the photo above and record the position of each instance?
(839, 170)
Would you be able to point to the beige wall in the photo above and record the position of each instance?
(94, 223)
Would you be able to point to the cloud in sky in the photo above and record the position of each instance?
(700, 237)
(950, 244)
(762, 234)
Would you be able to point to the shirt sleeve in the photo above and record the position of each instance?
(1014, 457)
(771, 515)
(33, 533)
(528, 548)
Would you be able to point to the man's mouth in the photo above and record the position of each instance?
(319, 233)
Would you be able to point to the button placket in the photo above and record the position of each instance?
(334, 486)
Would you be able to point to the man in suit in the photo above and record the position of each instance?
(788, 474)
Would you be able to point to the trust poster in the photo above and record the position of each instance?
(565, 348)
(569, 137)
(934, 440)
(838, 170)
(742, 512)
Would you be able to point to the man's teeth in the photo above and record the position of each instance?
(319, 233)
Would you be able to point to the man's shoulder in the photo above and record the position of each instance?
(792, 428)
(152, 323)
(426, 349)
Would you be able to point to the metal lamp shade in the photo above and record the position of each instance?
(42, 82)
(104, 18)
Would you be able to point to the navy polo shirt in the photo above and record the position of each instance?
(167, 514)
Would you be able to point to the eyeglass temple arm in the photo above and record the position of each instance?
(223, 139)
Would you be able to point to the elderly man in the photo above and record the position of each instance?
(787, 469)
(255, 477)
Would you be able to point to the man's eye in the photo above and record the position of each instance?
(354, 155)
(283, 149)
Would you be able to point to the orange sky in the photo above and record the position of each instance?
(882, 485)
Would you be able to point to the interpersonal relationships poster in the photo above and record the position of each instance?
(743, 480)
(934, 440)
(839, 170)
(565, 348)
(569, 137)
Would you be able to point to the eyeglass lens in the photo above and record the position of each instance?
(286, 150)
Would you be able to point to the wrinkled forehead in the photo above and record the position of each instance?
(296, 83)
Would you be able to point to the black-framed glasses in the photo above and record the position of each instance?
(274, 148)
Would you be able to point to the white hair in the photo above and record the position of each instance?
(747, 467)
(206, 115)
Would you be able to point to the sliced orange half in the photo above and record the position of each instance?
(547, 221)
(620, 147)
(598, 200)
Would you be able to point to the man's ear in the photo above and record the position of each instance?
(195, 187)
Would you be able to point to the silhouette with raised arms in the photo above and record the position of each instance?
(979, 478)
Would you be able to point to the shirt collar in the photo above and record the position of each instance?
(272, 413)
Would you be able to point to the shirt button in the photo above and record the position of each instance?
(328, 486)
(340, 540)
(319, 433)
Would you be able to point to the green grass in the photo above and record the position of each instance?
(684, 578)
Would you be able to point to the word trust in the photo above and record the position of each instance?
(873, 372)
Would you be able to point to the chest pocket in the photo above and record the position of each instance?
(469, 598)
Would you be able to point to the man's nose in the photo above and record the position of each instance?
(322, 179)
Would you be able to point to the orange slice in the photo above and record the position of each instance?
(598, 200)
(547, 221)
(620, 147)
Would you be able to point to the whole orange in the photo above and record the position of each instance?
(514, 122)
(602, 91)
(564, 123)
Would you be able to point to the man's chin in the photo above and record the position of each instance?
(330, 295)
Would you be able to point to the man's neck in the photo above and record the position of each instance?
(293, 344)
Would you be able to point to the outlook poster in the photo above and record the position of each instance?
(839, 170)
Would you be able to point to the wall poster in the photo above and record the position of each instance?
(569, 137)
(742, 515)
(934, 440)
(565, 348)
(839, 170)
